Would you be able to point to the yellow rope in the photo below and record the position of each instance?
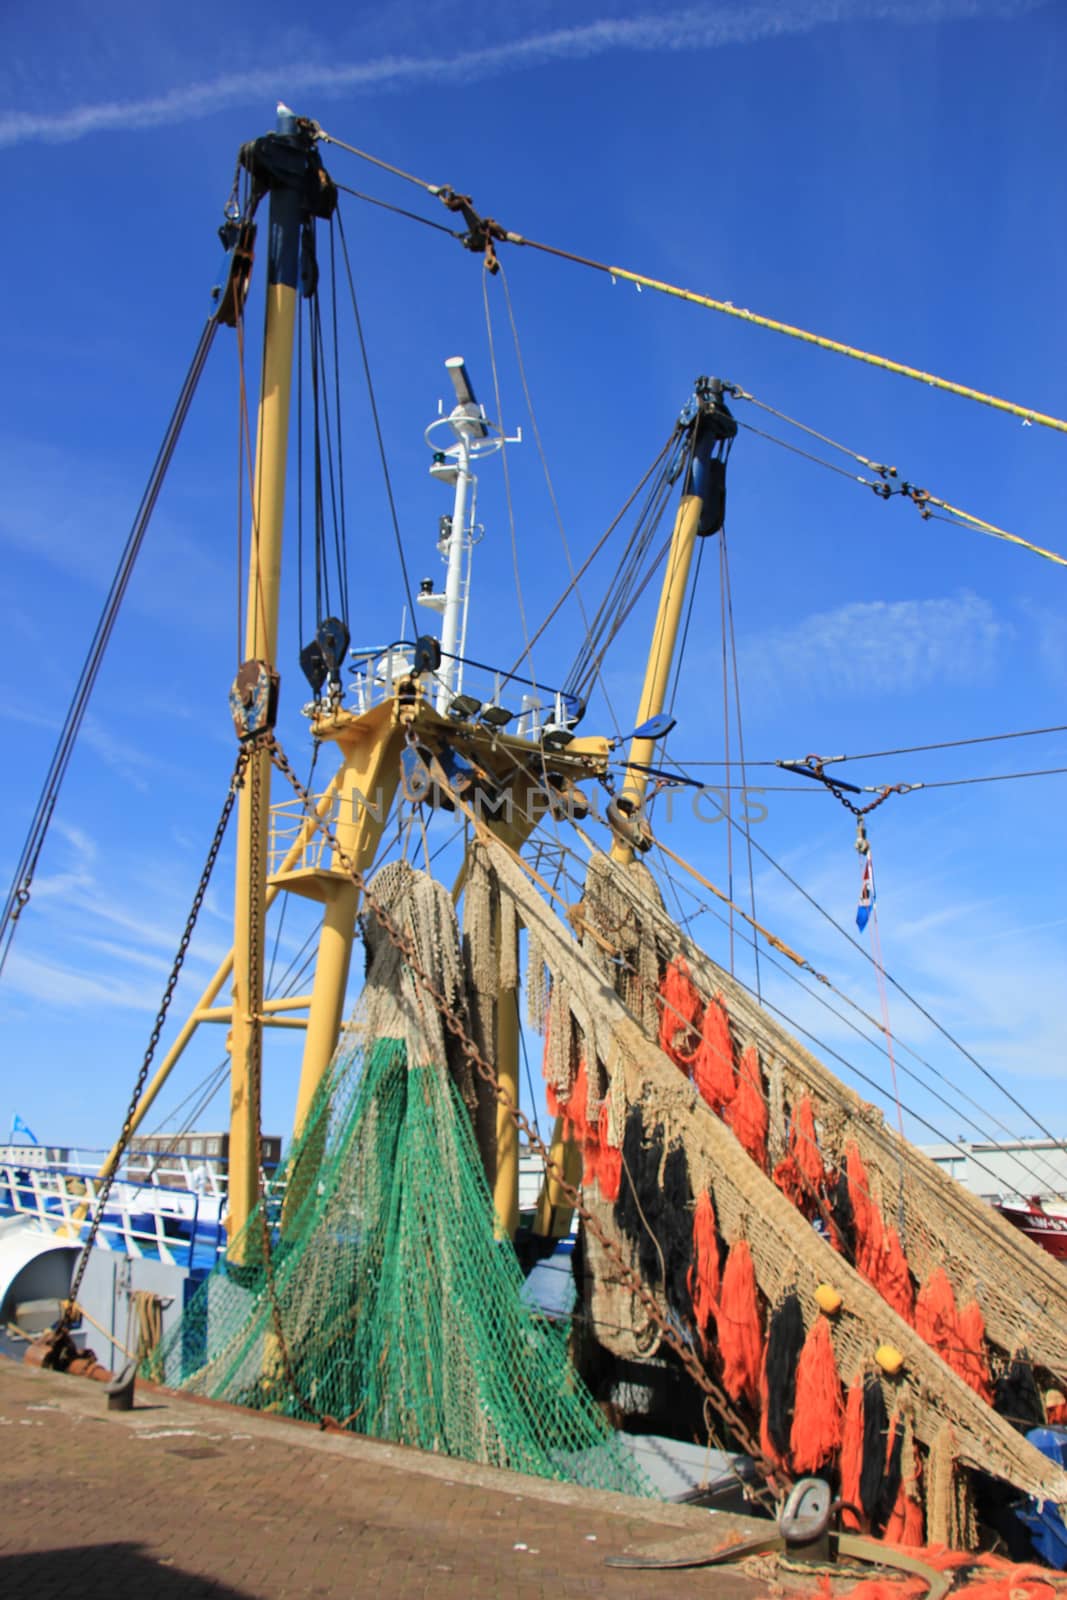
(494, 231)
(110, 1337)
(997, 533)
(883, 362)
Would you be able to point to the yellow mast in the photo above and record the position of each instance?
(700, 513)
(710, 426)
(287, 165)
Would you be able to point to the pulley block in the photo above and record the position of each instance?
(629, 824)
(333, 640)
(254, 699)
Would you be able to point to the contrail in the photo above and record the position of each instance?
(692, 28)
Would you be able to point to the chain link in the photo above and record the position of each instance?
(669, 1331)
(864, 811)
(104, 1192)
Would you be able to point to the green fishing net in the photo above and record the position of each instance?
(402, 1314)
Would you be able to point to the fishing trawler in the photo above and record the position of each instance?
(763, 1266)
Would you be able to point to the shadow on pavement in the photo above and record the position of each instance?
(114, 1571)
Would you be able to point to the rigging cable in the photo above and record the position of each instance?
(724, 307)
(630, 581)
(921, 498)
(551, 487)
(876, 1042)
(872, 1083)
(507, 478)
(967, 1054)
(807, 967)
(902, 750)
(727, 809)
(740, 745)
(337, 416)
(598, 547)
(21, 884)
(412, 216)
(377, 420)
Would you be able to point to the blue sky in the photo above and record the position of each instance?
(886, 173)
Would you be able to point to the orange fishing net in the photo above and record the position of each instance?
(747, 1111)
(713, 1064)
(818, 1415)
(704, 1278)
(679, 1021)
(740, 1325)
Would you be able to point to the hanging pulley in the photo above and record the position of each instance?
(254, 699)
(715, 428)
(323, 658)
(629, 824)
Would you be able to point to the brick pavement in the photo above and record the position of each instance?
(179, 1499)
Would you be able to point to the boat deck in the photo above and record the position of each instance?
(180, 1497)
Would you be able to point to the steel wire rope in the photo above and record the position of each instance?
(285, 902)
(726, 307)
(681, 779)
(956, 517)
(921, 498)
(507, 477)
(740, 742)
(340, 542)
(905, 750)
(911, 999)
(323, 608)
(19, 892)
(727, 812)
(575, 1197)
(601, 542)
(635, 591)
(550, 485)
(527, 649)
(168, 1116)
(208, 1088)
(994, 777)
(400, 211)
(677, 887)
(377, 420)
(529, 1079)
(629, 584)
(682, 1346)
(337, 414)
(300, 474)
(622, 582)
(854, 1005)
(240, 568)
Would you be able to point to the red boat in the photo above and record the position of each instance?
(1044, 1228)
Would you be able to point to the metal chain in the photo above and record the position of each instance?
(104, 1192)
(863, 811)
(255, 1088)
(669, 1332)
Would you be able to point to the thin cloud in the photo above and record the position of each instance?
(879, 646)
(692, 28)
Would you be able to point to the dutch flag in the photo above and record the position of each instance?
(863, 910)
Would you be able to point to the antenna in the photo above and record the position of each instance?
(456, 368)
(473, 436)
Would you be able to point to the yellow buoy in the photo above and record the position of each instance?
(827, 1298)
(889, 1359)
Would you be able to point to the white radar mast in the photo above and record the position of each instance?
(474, 436)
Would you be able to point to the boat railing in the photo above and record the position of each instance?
(142, 1217)
(376, 673)
(287, 820)
(534, 707)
